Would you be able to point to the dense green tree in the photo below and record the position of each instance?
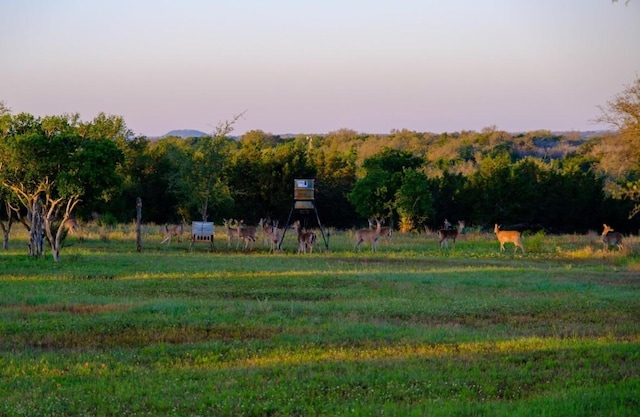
(413, 200)
(524, 190)
(447, 203)
(252, 178)
(374, 195)
(392, 160)
(210, 189)
(9, 202)
(336, 176)
(104, 126)
(284, 164)
(49, 168)
(136, 173)
(574, 200)
(166, 194)
(371, 196)
(487, 193)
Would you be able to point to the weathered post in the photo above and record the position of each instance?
(139, 224)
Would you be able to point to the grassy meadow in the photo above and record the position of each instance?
(406, 331)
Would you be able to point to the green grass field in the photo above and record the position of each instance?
(408, 330)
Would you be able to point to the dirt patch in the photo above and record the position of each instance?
(63, 308)
(135, 337)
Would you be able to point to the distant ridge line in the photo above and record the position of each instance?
(184, 133)
(193, 133)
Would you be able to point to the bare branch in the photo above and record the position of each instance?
(222, 129)
(623, 111)
(3, 108)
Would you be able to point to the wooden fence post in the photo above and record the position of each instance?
(139, 224)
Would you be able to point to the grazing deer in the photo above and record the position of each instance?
(245, 233)
(508, 236)
(368, 235)
(611, 238)
(446, 235)
(305, 239)
(231, 231)
(171, 231)
(271, 234)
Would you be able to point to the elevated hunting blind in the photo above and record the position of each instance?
(303, 194)
(304, 202)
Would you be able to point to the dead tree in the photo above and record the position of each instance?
(46, 216)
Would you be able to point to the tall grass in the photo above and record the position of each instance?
(408, 330)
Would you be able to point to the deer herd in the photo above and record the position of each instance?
(246, 236)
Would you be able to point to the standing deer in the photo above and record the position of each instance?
(446, 235)
(508, 236)
(368, 235)
(305, 239)
(246, 233)
(265, 225)
(171, 231)
(611, 238)
(271, 233)
(71, 225)
(386, 231)
(231, 231)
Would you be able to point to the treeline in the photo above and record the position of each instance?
(535, 180)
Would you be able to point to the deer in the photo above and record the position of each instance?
(508, 236)
(71, 225)
(611, 238)
(264, 224)
(386, 231)
(446, 235)
(271, 233)
(96, 217)
(368, 235)
(245, 233)
(305, 239)
(171, 231)
(231, 231)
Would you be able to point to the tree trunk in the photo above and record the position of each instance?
(5, 238)
(56, 253)
(204, 208)
(36, 232)
(6, 228)
(56, 240)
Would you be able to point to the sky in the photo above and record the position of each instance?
(315, 67)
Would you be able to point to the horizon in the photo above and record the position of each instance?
(426, 66)
(173, 132)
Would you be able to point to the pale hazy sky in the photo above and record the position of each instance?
(301, 66)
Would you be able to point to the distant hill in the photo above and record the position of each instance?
(184, 133)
